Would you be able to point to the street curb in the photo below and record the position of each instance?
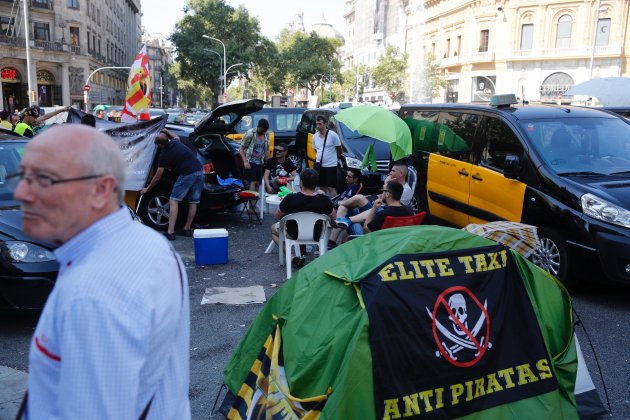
(12, 386)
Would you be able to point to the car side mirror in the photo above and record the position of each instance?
(511, 166)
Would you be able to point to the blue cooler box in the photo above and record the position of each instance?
(211, 246)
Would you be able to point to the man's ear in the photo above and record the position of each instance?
(103, 190)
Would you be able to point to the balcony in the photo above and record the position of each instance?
(75, 49)
(42, 4)
(481, 57)
(48, 45)
(451, 61)
(12, 40)
(563, 53)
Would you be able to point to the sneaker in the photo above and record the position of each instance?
(343, 222)
(188, 233)
(170, 236)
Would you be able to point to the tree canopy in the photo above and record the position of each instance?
(391, 71)
(239, 32)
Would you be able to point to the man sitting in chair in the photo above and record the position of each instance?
(278, 170)
(390, 199)
(359, 204)
(307, 199)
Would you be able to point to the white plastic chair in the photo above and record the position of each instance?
(306, 223)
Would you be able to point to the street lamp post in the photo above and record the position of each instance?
(87, 82)
(224, 60)
(220, 59)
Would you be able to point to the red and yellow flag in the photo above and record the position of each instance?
(139, 88)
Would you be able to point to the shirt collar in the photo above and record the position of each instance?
(82, 243)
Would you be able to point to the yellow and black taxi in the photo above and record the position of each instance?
(563, 169)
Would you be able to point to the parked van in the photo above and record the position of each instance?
(282, 128)
(564, 169)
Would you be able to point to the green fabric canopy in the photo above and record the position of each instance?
(381, 124)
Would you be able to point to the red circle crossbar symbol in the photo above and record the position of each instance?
(481, 349)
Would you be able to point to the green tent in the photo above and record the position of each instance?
(409, 322)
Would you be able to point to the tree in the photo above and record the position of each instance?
(239, 31)
(352, 82)
(391, 71)
(310, 60)
(432, 79)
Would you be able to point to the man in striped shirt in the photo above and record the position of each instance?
(113, 339)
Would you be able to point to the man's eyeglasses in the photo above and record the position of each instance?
(280, 150)
(44, 181)
(387, 191)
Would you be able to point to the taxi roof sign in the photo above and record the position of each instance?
(503, 100)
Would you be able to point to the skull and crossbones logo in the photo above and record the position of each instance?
(457, 336)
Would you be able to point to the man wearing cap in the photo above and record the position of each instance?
(278, 170)
(25, 126)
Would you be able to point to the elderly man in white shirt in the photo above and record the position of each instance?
(113, 339)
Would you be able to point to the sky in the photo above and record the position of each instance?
(159, 16)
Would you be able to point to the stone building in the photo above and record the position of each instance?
(69, 40)
(536, 50)
(160, 56)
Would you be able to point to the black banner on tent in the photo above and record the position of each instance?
(453, 333)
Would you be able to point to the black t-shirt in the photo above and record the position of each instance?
(297, 202)
(179, 158)
(276, 168)
(395, 211)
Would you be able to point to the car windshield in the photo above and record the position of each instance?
(10, 158)
(574, 146)
(347, 133)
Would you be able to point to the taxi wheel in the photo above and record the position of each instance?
(154, 210)
(552, 255)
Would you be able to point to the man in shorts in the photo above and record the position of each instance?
(328, 150)
(254, 152)
(189, 185)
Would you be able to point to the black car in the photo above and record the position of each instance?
(28, 268)
(563, 169)
(221, 161)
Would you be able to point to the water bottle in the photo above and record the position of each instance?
(296, 183)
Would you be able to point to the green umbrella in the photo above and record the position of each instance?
(381, 124)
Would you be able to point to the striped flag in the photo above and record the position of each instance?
(139, 88)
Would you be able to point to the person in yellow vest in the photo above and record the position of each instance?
(25, 126)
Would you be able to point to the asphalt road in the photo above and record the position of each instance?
(217, 329)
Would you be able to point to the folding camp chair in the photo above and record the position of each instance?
(392, 222)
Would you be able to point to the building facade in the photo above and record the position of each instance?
(534, 49)
(160, 57)
(69, 41)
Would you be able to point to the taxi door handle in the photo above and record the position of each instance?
(476, 177)
(463, 172)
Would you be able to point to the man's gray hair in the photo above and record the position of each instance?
(104, 157)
